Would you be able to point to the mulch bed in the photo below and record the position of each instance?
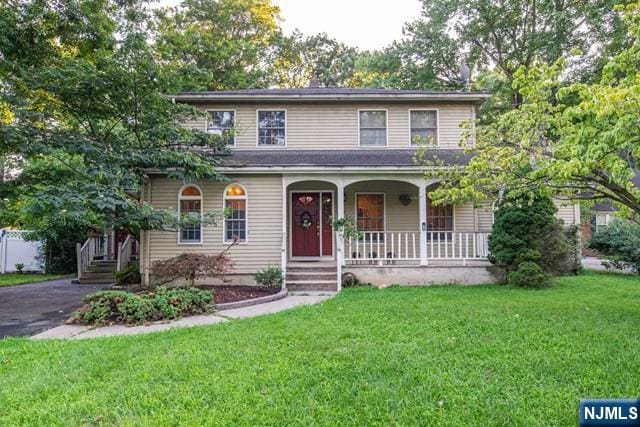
(226, 293)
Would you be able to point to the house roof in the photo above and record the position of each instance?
(329, 94)
(340, 158)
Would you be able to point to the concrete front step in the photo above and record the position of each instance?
(311, 269)
(312, 275)
(88, 281)
(97, 275)
(312, 285)
(296, 287)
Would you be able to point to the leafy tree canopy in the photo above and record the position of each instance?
(217, 44)
(86, 125)
(580, 140)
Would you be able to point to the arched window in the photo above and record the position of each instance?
(190, 204)
(235, 205)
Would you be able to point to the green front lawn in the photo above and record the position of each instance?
(12, 279)
(487, 355)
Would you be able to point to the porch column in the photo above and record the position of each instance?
(283, 255)
(339, 237)
(423, 223)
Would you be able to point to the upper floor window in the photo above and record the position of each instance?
(272, 127)
(222, 123)
(373, 127)
(424, 127)
(235, 223)
(190, 208)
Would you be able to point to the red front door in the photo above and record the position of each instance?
(305, 222)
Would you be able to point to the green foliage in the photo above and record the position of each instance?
(271, 277)
(576, 140)
(89, 122)
(302, 58)
(129, 275)
(346, 227)
(13, 279)
(529, 275)
(620, 242)
(489, 342)
(19, 267)
(192, 266)
(108, 307)
(214, 45)
(520, 229)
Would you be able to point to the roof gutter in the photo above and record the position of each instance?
(452, 97)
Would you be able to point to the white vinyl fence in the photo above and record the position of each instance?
(15, 250)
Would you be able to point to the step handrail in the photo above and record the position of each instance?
(124, 253)
(85, 253)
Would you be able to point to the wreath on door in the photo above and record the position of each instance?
(305, 219)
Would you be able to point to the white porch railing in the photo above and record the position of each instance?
(391, 246)
(451, 245)
(93, 247)
(384, 246)
(125, 249)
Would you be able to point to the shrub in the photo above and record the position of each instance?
(526, 230)
(108, 307)
(529, 275)
(192, 266)
(130, 275)
(271, 277)
(19, 267)
(620, 242)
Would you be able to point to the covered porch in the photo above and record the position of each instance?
(399, 228)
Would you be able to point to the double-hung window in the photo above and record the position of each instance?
(373, 128)
(272, 127)
(190, 204)
(370, 216)
(235, 222)
(424, 127)
(222, 123)
(439, 220)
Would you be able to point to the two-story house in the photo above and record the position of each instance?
(302, 157)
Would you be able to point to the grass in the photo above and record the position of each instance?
(12, 279)
(486, 355)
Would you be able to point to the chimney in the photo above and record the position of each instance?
(314, 83)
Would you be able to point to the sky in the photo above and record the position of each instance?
(366, 24)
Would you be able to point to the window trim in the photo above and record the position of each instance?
(286, 123)
(384, 209)
(180, 199)
(453, 219)
(386, 124)
(437, 110)
(235, 123)
(246, 213)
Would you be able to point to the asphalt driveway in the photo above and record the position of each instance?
(29, 309)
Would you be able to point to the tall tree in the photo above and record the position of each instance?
(580, 140)
(217, 44)
(96, 119)
(303, 58)
(499, 37)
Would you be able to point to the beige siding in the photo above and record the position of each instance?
(568, 212)
(484, 213)
(397, 216)
(335, 126)
(264, 222)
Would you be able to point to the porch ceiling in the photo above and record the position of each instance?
(340, 158)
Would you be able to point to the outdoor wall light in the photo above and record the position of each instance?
(405, 199)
